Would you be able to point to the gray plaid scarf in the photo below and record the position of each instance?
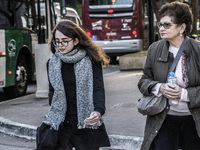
(84, 88)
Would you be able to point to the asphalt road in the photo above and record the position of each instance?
(8, 142)
(122, 95)
(121, 99)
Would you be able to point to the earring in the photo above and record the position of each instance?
(181, 34)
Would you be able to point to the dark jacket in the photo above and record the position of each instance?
(158, 63)
(85, 138)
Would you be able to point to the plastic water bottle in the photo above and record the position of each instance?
(173, 80)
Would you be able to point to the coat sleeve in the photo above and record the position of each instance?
(98, 89)
(146, 82)
(194, 97)
(51, 90)
(194, 88)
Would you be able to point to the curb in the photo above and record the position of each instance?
(126, 142)
(132, 62)
(118, 142)
(17, 129)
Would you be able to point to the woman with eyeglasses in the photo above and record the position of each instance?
(178, 125)
(76, 89)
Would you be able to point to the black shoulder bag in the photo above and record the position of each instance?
(46, 137)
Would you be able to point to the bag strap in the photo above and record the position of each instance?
(178, 55)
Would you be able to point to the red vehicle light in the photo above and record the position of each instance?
(9, 72)
(110, 11)
(2, 53)
(88, 34)
(134, 32)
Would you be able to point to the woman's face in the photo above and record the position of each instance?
(168, 30)
(64, 43)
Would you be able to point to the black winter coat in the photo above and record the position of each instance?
(91, 138)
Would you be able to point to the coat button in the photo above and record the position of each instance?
(156, 131)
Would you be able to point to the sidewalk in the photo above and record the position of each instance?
(125, 126)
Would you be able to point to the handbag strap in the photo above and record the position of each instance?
(178, 55)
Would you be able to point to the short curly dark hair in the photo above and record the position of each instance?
(180, 13)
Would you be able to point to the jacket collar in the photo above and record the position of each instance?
(164, 44)
(165, 52)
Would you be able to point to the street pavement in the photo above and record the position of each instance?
(125, 126)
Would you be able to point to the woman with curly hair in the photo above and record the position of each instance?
(178, 125)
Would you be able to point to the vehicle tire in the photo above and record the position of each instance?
(113, 60)
(21, 80)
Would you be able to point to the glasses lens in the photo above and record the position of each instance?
(57, 43)
(166, 25)
(62, 43)
(159, 24)
(54, 43)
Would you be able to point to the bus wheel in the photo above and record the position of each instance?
(21, 82)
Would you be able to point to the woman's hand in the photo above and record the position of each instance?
(171, 91)
(93, 119)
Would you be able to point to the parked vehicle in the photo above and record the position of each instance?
(23, 25)
(120, 26)
(71, 14)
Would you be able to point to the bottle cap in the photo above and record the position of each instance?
(171, 73)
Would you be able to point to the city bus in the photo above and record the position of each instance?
(24, 23)
(119, 26)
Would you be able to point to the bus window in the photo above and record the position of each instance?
(123, 2)
(21, 18)
(5, 14)
(20, 12)
(110, 2)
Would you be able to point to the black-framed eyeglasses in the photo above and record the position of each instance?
(64, 43)
(166, 25)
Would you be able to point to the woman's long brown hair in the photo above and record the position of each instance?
(70, 29)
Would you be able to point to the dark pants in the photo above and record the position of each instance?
(177, 132)
(82, 139)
